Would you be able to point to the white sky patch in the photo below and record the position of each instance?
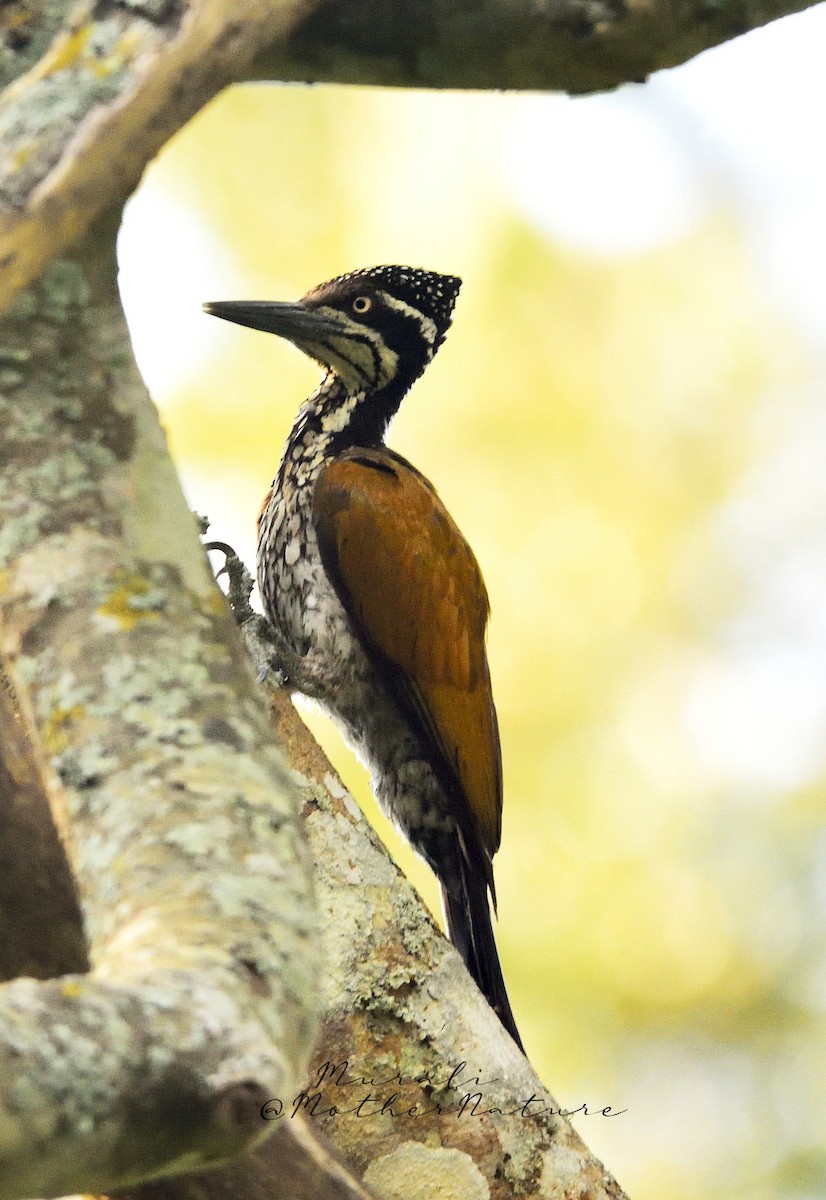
(169, 265)
(758, 102)
(757, 718)
(600, 173)
(617, 173)
(757, 714)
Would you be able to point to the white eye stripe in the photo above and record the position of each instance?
(426, 324)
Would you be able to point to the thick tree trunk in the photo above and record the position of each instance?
(123, 666)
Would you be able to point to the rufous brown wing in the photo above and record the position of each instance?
(413, 589)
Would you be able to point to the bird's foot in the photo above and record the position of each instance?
(260, 637)
(239, 579)
(275, 660)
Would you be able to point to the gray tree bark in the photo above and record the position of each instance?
(123, 672)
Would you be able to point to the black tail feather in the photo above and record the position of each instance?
(469, 927)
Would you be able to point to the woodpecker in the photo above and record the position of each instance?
(377, 603)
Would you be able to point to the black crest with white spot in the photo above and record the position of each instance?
(428, 294)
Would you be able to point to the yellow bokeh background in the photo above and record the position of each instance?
(590, 422)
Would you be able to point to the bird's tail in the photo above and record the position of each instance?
(469, 927)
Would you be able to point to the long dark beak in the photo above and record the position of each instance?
(291, 321)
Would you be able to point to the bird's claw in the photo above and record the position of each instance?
(240, 580)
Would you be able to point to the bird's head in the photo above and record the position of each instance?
(375, 329)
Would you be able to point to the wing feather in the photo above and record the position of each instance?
(412, 588)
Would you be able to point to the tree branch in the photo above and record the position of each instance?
(536, 45)
(120, 77)
(451, 1096)
(178, 816)
(41, 928)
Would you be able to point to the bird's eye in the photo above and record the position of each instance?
(362, 304)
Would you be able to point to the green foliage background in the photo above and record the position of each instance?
(589, 423)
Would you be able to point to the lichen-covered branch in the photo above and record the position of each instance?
(26, 30)
(413, 1076)
(296, 1163)
(41, 929)
(178, 817)
(117, 80)
(109, 1083)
